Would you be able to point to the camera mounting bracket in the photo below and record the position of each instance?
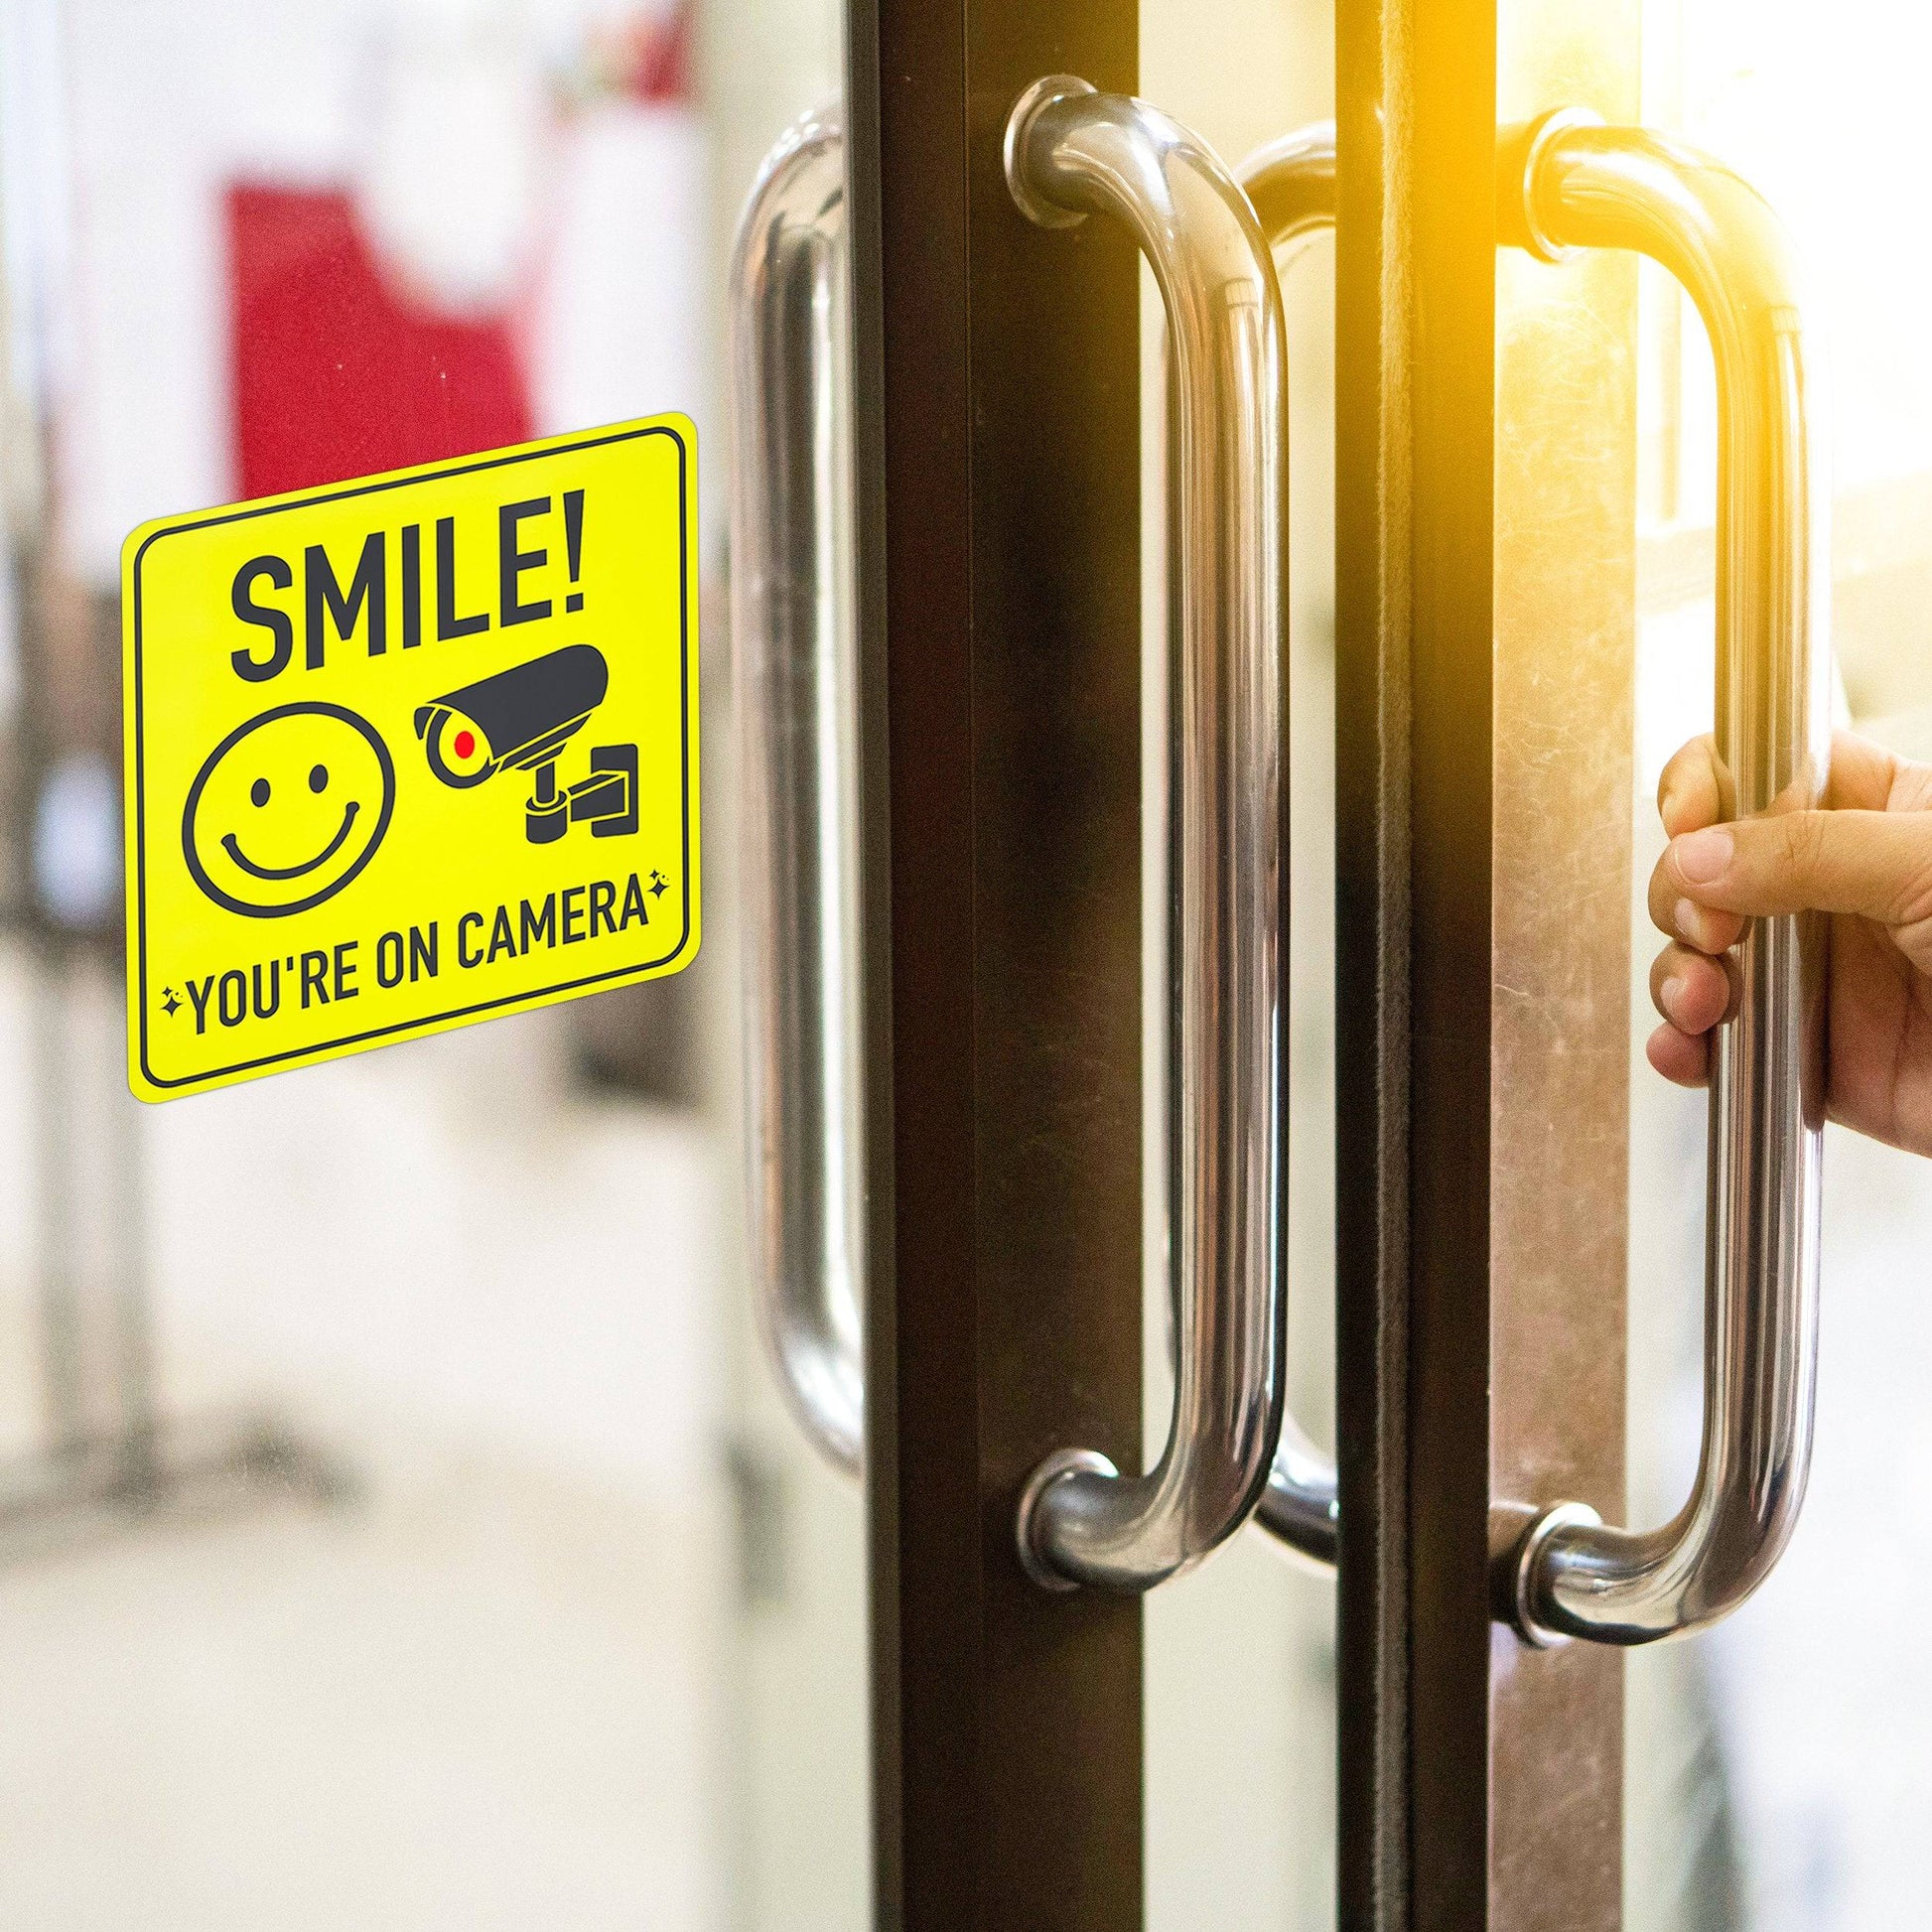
(606, 800)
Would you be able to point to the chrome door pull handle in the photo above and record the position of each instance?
(1071, 152)
(794, 663)
(1292, 186)
(1586, 186)
(794, 647)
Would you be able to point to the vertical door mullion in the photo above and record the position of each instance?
(1485, 518)
(1375, 489)
(1451, 250)
(997, 415)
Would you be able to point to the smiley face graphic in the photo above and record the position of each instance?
(287, 809)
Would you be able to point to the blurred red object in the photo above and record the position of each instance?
(336, 373)
(657, 62)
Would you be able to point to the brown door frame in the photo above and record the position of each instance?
(997, 447)
(997, 403)
(1375, 483)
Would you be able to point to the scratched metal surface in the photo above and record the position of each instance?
(1564, 674)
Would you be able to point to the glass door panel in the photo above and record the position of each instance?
(1776, 1764)
(397, 1526)
(1240, 1764)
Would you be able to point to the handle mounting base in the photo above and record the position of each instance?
(1528, 1560)
(1055, 1468)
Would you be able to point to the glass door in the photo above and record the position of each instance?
(1124, 1348)
(397, 1525)
(1797, 1753)
(1240, 1764)
(1584, 515)
(403, 1522)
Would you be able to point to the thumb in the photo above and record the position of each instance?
(1878, 865)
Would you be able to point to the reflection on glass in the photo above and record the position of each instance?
(395, 1525)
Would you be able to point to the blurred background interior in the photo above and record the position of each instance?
(397, 1527)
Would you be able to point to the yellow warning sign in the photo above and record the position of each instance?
(409, 752)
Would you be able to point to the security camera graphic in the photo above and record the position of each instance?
(520, 721)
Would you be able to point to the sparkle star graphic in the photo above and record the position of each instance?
(171, 1003)
(660, 884)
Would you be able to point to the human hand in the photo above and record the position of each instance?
(1867, 860)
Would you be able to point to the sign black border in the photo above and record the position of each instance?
(336, 495)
